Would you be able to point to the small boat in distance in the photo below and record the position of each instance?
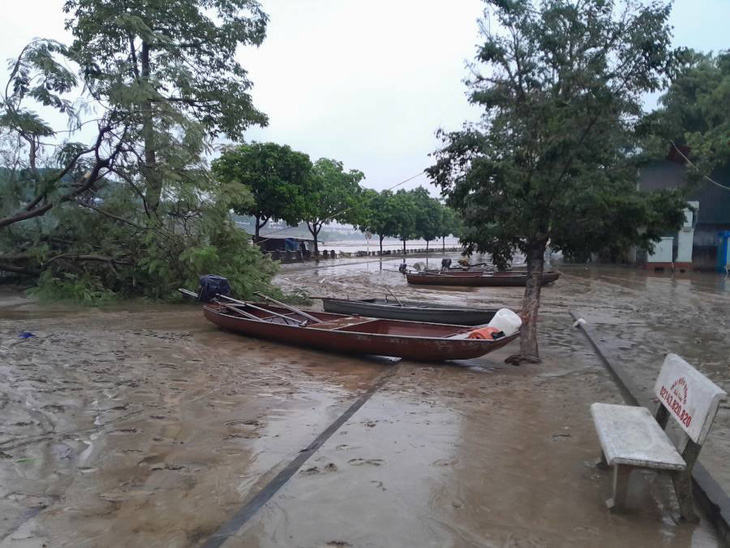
(476, 279)
(353, 334)
(410, 310)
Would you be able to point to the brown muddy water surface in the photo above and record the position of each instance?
(143, 425)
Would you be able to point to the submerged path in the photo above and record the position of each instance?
(240, 518)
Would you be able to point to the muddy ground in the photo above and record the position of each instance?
(142, 425)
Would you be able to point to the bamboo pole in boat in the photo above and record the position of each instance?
(242, 312)
(396, 298)
(290, 308)
(259, 308)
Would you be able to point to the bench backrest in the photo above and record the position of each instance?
(689, 396)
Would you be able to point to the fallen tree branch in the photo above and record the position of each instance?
(112, 216)
(88, 257)
(94, 175)
(19, 270)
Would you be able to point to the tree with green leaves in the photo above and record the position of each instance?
(693, 114)
(560, 83)
(163, 82)
(168, 73)
(332, 195)
(406, 206)
(429, 215)
(277, 176)
(450, 225)
(378, 214)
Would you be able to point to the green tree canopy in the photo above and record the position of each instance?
(379, 214)
(406, 207)
(429, 215)
(277, 176)
(560, 83)
(169, 74)
(133, 210)
(332, 195)
(693, 113)
(450, 224)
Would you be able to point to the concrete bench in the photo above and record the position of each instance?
(631, 437)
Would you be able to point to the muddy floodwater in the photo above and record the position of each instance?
(144, 425)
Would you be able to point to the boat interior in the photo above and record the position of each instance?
(339, 322)
(392, 302)
(460, 274)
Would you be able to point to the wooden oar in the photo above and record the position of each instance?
(257, 308)
(396, 298)
(242, 312)
(187, 292)
(289, 308)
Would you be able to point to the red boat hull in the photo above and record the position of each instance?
(417, 345)
(477, 279)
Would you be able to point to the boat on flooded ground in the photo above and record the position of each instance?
(354, 334)
(476, 279)
(410, 310)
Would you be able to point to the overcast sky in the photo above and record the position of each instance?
(366, 82)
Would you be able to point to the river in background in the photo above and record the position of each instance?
(389, 244)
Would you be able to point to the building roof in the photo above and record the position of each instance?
(714, 201)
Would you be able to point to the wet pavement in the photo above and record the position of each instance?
(143, 425)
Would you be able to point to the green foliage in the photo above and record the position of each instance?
(429, 215)
(406, 215)
(135, 211)
(277, 176)
(83, 290)
(560, 84)
(551, 159)
(450, 224)
(379, 215)
(228, 252)
(177, 58)
(694, 112)
(331, 195)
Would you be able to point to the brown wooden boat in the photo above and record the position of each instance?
(352, 334)
(410, 311)
(477, 279)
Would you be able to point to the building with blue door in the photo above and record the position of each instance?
(697, 245)
(723, 251)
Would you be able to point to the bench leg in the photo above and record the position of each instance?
(601, 463)
(683, 487)
(621, 475)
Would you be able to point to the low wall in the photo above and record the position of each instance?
(297, 256)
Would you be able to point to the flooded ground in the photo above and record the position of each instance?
(146, 426)
(640, 317)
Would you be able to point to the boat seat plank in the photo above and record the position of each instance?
(341, 323)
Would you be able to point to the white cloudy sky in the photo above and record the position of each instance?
(367, 82)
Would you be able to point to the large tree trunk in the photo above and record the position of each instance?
(530, 305)
(381, 245)
(443, 244)
(314, 231)
(404, 247)
(153, 181)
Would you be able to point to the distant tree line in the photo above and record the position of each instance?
(287, 186)
(406, 215)
(121, 201)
